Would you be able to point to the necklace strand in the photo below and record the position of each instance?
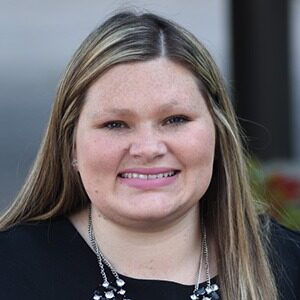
(117, 292)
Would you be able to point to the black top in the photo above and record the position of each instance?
(50, 260)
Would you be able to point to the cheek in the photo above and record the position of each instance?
(199, 161)
(199, 147)
(98, 155)
(98, 162)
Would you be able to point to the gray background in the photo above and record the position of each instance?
(37, 40)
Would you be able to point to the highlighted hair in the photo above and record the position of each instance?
(53, 188)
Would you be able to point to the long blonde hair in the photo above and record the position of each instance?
(53, 188)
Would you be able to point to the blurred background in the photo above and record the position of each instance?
(255, 43)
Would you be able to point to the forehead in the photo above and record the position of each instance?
(160, 81)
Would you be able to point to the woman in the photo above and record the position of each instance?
(140, 189)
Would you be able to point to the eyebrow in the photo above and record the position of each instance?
(164, 108)
(174, 103)
(167, 106)
(118, 111)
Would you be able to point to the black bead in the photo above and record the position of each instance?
(119, 297)
(111, 288)
(214, 295)
(200, 292)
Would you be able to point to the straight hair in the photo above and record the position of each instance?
(228, 207)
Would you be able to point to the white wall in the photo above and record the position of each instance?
(37, 38)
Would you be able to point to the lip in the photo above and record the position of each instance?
(145, 184)
(148, 170)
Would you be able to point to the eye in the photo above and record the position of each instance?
(115, 125)
(176, 120)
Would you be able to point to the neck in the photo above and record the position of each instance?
(171, 252)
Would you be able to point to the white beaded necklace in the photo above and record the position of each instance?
(115, 291)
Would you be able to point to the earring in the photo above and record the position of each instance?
(74, 163)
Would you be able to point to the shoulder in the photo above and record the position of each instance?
(31, 234)
(284, 255)
(37, 242)
(38, 261)
(283, 240)
(28, 256)
(29, 242)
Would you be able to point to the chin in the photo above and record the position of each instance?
(153, 217)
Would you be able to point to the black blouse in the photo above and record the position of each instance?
(50, 260)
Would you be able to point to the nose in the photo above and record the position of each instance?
(147, 146)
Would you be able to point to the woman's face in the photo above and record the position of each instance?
(145, 143)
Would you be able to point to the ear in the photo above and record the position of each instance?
(74, 153)
(74, 163)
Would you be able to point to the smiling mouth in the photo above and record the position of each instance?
(148, 176)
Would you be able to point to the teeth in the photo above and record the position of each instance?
(148, 176)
